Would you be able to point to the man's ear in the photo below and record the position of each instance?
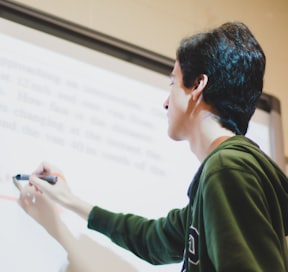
(200, 84)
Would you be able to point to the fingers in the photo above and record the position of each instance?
(27, 194)
(29, 198)
(39, 184)
(46, 168)
(41, 169)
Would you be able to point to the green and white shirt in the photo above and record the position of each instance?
(236, 218)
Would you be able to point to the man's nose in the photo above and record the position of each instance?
(166, 103)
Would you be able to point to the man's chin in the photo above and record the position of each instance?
(174, 136)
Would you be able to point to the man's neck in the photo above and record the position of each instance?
(208, 133)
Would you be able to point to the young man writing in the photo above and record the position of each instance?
(236, 217)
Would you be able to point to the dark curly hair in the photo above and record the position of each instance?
(234, 62)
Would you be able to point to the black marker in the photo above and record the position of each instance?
(50, 179)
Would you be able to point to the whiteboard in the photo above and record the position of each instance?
(101, 120)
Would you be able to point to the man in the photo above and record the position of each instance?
(237, 215)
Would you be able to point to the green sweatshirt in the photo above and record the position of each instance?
(236, 218)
